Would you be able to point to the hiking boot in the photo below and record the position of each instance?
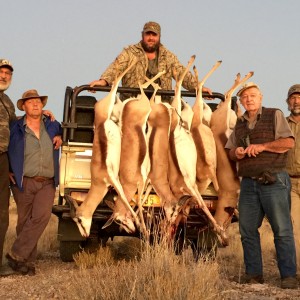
(6, 271)
(251, 279)
(16, 265)
(289, 283)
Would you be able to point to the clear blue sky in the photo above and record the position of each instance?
(59, 43)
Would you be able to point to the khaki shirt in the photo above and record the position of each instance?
(293, 158)
(38, 153)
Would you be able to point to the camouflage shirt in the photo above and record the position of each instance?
(166, 60)
(7, 114)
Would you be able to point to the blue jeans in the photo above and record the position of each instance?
(274, 202)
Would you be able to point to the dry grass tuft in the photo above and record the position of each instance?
(130, 268)
(153, 272)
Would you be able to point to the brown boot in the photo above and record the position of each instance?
(6, 271)
(289, 283)
(16, 265)
(251, 279)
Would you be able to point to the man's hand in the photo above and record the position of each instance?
(12, 177)
(239, 153)
(57, 142)
(207, 90)
(49, 114)
(254, 149)
(100, 82)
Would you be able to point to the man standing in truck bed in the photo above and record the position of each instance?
(152, 57)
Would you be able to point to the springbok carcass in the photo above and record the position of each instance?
(229, 183)
(105, 162)
(158, 134)
(204, 140)
(134, 157)
(183, 159)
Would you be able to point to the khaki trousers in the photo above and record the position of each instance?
(34, 207)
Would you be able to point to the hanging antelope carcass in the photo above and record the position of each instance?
(204, 140)
(158, 133)
(134, 160)
(183, 157)
(228, 180)
(105, 162)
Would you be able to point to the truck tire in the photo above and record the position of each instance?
(180, 242)
(205, 246)
(68, 248)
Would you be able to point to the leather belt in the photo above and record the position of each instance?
(40, 178)
(295, 176)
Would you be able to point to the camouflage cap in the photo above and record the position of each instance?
(6, 63)
(152, 26)
(246, 86)
(29, 95)
(293, 89)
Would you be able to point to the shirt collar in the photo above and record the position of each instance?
(25, 122)
(245, 116)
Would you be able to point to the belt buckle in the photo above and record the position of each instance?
(40, 178)
(261, 180)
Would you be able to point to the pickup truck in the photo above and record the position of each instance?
(78, 118)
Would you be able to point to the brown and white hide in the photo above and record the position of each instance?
(229, 183)
(204, 140)
(183, 157)
(159, 122)
(134, 161)
(105, 161)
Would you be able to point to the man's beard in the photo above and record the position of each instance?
(296, 111)
(150, 49)
(4, 86)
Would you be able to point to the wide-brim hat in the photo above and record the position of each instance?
(29, 95)
(246, 86)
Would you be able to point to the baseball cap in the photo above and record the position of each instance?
(293, 89)
(246, 86)
(152, 26)
(6, 63)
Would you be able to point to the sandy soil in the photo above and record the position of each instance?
(51, 279)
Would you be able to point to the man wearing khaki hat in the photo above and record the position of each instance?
(259, 144)
(152, 57)
(7, 115)
(34, 161)
(293, 160)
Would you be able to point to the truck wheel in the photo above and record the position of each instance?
(179, 242)
(204, 252)
(68, 248)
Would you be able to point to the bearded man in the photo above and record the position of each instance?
(293, 160)
(152, 57)
(7, 115)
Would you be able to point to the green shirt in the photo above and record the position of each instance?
(38, 160)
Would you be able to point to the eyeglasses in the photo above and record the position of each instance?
(295, 97)
(6, 73)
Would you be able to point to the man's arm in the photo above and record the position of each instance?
(281, 145)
